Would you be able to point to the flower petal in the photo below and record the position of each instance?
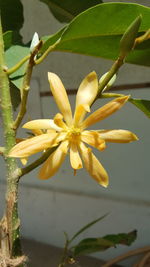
(79, 114)
(92, 138)
(54, 161)
(60, 96)
(58, 120)
(105, 111)
(41, 124)
(75, 159)
(35, 144)
(93, 166)
(87, 91)
(117, 136)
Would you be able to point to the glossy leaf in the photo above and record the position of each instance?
(12, 17)
(66, 10)
(142, 104)
(97, 29)
(91, 245)
(13, 55)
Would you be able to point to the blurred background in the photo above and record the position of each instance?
(67, 202)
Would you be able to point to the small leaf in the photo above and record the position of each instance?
(91, 245)
(128, 38)
(66, 10)
(142, 104)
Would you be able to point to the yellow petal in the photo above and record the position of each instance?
(92, 138)
(60, 97)
(105, 111)
(87, 91)
(93, 166)
(75, 159)
(117, 136)
(24, 161)
(79, 114)
(53, 163)
(58, 120)
(34, 144)
(41, 124)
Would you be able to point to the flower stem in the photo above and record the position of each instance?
(10, 221)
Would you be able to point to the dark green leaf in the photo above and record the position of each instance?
(143, 105)
(13, 55)
(15, 96)
(90, 245)
(87, 226)
(122, 239)
(12, 17)
(66, 10)
(97, 29)
(7, 37)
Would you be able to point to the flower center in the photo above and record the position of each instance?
(73, 134)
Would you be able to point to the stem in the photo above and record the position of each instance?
(11, 217)
(115, 67)
(50, 49)
(37, 162)
(65, 253)
(18, 65)
(26, 86)
(126, 255)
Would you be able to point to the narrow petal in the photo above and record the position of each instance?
(87, 91)
(79, 114)
(58, 120)
(53, 163)
(93, 166)
(41, 124)
(75, 159)
(93, 138)
(60, 95)
(104, 111)
(34, 144)
(117, 136)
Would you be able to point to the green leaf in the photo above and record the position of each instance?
(66, 10)
(87, 226)
(122, 239)
(97, 29)
(15, 96)
(13, 55)
(91, 245)
(7, 37)
(12, 17)
(143, 105)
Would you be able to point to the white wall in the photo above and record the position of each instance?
(67, 202)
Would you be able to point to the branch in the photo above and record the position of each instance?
(126, 255)
(37, 162)
(18, 65)
(26, 86)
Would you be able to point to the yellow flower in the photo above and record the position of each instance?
(69, 132)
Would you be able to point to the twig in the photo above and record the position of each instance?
(18, 65)
(144, 260)
(26, 86)
(126, 255)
